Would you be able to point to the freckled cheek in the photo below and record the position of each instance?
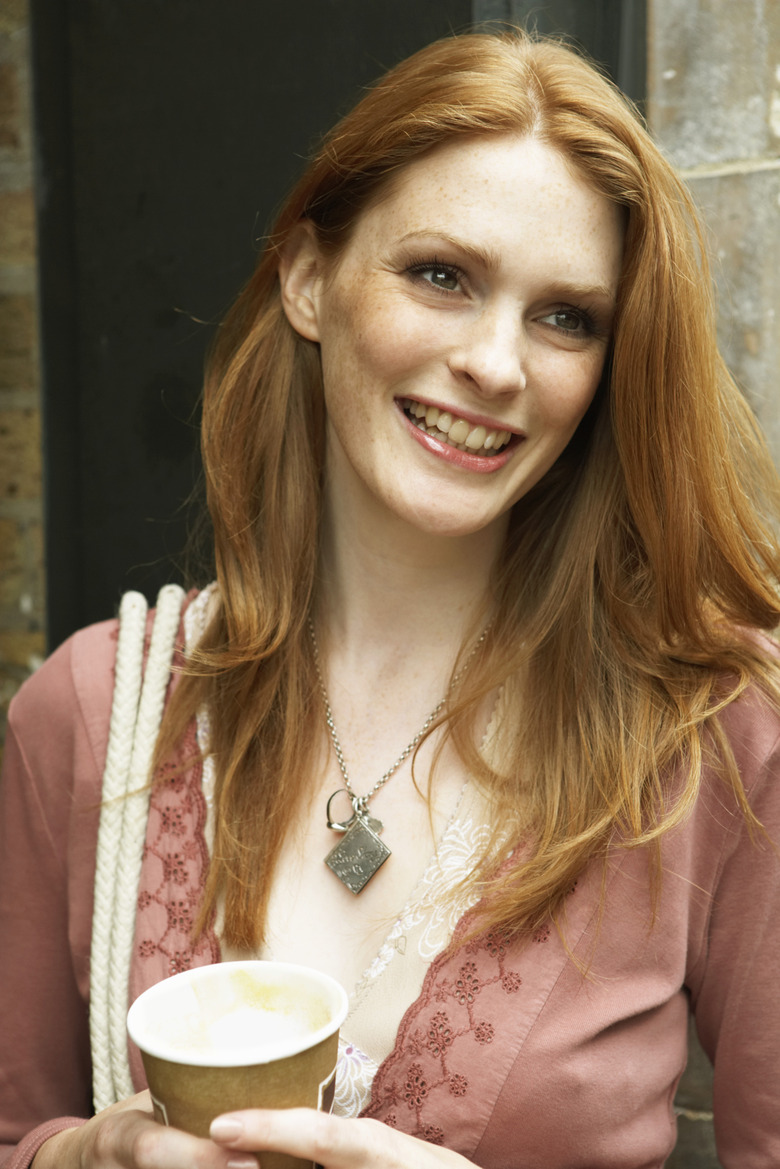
(358, 369)
(383, 351)
(567, 393)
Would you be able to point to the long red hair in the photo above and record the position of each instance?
(651, 541)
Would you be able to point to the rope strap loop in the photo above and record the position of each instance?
(136, 714)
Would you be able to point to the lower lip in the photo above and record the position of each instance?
(482, 464)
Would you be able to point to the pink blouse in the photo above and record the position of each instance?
(518, 1057)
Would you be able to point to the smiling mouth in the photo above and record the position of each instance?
(455, 431)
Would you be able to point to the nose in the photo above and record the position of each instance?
(491, 352)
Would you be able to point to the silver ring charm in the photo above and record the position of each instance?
(335, 824)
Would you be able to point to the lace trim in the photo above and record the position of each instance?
(175, 860)
(442, 1053)
(354, 1079)
(431, 905)
(431, 1042)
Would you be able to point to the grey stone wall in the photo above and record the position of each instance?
(714, 107)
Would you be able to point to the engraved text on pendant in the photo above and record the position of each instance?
(358, 855)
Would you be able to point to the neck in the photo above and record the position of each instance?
(384, 583)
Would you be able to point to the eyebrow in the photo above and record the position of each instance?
(567, 290)
(490, 259)
(487, 257)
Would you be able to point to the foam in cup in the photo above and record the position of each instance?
(236, 1012)
(249, 1027)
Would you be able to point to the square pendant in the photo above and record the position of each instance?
(357, 856)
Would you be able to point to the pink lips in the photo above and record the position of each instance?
(481, 464)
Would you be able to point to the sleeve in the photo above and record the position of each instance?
(49, 808)
(736, 1005)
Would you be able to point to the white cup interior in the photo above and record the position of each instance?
(237, 1013)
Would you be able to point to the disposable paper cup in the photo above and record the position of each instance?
(239, 1035)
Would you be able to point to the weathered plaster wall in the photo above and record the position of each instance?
(714, 106)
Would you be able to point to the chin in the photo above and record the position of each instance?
(433, 522)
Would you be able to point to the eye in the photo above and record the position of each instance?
(572, 321)
(442, 277)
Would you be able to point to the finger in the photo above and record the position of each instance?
(130, 1139)
(330, 1141)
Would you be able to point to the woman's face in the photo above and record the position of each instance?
(463, 330)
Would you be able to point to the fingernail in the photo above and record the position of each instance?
(228, 1128)
(245, 1163)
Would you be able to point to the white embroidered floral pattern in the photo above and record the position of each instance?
(353, 1080)
(432, 911)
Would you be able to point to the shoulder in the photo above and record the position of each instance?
(750, 726)
(55, 754)
(717, 821)
(61, 715)
(70, 694)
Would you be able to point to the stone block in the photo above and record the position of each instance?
(18, 342)
(21, 573)
(14, 16)
(20, 454)
(17, 227)
(10, 129)
(23, 649)
(695, 1147)
(20, 654)
(694, 1094)
(11, 561)
(742, 213)
(714, 79)
(695, 1133)
(10, 681)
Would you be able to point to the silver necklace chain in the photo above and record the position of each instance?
(360, 803)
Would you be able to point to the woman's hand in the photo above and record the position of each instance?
(330, 1141)
(125, 1136)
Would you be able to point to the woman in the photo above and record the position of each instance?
(485, 496)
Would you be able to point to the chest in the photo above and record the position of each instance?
(314, 918)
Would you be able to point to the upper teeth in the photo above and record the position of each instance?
(456, 431)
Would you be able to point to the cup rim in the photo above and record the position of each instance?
(274, 1050)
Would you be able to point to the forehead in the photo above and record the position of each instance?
(497, 191)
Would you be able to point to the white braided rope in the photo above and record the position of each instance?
(135, 815)
(124, 709)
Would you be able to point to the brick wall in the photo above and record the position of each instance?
(21, 543)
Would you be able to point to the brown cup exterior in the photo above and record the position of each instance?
(189, 1097)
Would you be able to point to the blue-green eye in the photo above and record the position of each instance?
(570, 320)
(443, 277)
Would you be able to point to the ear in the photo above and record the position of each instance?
(301, 269)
